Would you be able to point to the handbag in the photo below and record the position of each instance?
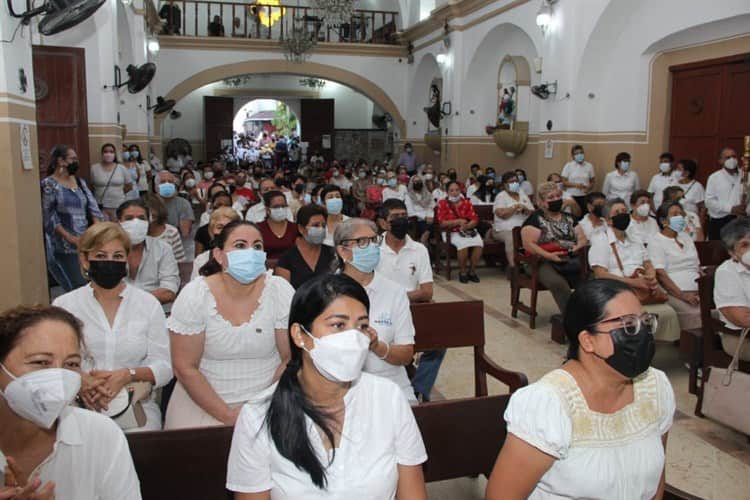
(655, 296)
(126, 408)
(726, 392)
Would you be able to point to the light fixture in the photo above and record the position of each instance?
(269, 11)
(126, 3)
(544, 16)
(313, 83)
(441, 57)
(153, 45)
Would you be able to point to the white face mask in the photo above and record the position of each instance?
(42, 395)
(278, 214)
(339, 357)
(643, 210)
(137, 230)
(665, 167)
(730, 163)
(454, 199)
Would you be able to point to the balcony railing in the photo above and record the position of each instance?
(267, 22)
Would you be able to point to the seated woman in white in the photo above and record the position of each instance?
(327, 430)
(592, 223)
(124, 328)
(392, 347)
(598, 426)
(617, 255)
(228, 332)
(457, 217)
(693, 226)
(421, 206)
(642, 226)
(220, 217)
(675, 258)
(48, 448)
(511, 208)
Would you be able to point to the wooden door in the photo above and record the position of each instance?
(316, 121)
(61, 114)
(219, 114)
(709, 110)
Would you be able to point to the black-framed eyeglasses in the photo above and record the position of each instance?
(364, 241)
(631, 323)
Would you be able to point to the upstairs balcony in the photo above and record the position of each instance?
(186, 23)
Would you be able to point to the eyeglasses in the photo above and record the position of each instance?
(364, 241)
(631, 323)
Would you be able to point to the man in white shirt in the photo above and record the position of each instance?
(724, 194)
(662, 180)
(406, 262)
(578, 177)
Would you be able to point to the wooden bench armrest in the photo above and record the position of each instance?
(672, 493)
(514, 380)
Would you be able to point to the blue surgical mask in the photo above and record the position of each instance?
(392, 182)
(135, 155)
(366, 259)
(521, 178)
(246, 265)
(513, 187)
(491, 175)
(677, 223)
(624, 166)
(126, 155)
(167, 190)
(308, 198)
(334, 205)
(578, 157)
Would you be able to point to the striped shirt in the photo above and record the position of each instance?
(62, 206)
(171, 236)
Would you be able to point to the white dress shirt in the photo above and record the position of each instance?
(632, 254)
(137, 338)
(90, 459)
(578, 173)
(642, 231)
(379, 434)
(588, 228)
(410, 267)
(694, 194)
(418, 210)
(238, 361)
(732, 288)
(158, 268)
(504, 200)
(658, 184)
(617, 185)
(680, 263)
(390, 316)
(723, 191)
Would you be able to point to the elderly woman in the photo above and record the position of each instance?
(392, 334)
(511, 208)
(642, 226)
(421, 206)
(124, 328)
(456, 215)
(619, 256)
(550, 234)
(220, 217)
(48, 447)
(228, 332)
(732, 290)
(605, 412)
(675, 258)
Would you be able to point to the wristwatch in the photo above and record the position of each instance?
(132, 374)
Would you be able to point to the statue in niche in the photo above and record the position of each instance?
(433, 111)
(507, 108)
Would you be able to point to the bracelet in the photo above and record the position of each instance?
(387, 350)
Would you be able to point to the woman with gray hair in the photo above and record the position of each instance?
(357, 245)
(421, 206)
(732, 290)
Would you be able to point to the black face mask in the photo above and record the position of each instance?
(257, 174)
(598, 210)
(452, 176)
(231, 188)
(278, 181)
(299, 188)
(621, 221)
(417, 186)
(107, 273)
(555, 206)
(399, 227)
(633, 353)
(73, 167)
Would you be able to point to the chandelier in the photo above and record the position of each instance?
(334, 12)
(238, 80)
(313, 83)
(297, 45)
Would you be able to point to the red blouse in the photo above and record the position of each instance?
(462, 210)
(272, 244)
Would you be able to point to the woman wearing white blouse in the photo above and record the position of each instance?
(622, 182)
(228, 332)
(511, 208)
(357, 245)
(124, 328)
(327, 430)
(597, 427)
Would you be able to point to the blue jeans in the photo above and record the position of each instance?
(427, 372)
(66, 269)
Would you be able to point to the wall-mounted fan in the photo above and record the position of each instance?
(175, 115)
(59, 14)
(162, 105)
(138, 77)
(544, 90)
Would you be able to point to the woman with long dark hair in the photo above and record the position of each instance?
(67, 208)
(327, 429)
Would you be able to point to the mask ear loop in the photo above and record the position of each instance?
(310, 335)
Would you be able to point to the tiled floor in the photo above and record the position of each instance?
(703, 458)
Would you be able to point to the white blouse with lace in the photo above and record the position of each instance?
(238, 361)
(614, 456)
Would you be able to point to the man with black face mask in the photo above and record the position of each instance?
(407, 262)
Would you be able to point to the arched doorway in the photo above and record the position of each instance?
(266, 115)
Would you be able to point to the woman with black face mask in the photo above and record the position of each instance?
(603, 418)
(124, 329)
(550, 234)
(68, 207)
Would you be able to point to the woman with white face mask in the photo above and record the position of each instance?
(278, 232)
(111, 181)
(49, 449)
(357, 245)
(642, 226)
(325, 406)
(228, 332)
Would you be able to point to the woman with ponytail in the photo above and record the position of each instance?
(228, 331)
(328, 430)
